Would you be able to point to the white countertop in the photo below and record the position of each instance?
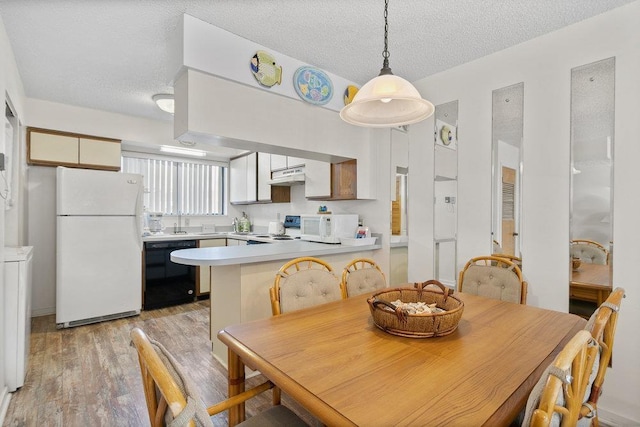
(188, 236)
(288, 249)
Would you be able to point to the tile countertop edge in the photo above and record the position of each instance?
(234, 255)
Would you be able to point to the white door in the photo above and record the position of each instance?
(99, 267)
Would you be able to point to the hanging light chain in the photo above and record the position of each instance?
(385, 53)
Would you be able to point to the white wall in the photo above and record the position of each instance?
(544, 65)
(11, 88)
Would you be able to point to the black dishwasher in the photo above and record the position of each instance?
(167, 283)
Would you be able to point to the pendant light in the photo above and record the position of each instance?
(386, 100)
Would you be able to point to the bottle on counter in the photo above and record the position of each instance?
(244, 225)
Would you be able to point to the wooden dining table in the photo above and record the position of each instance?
(591, 282)
(335, 362)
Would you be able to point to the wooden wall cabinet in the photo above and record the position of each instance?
(344, 180)
(47, 147)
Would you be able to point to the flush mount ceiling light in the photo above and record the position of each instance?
(386, 100)
(164, 102)
(183, 151)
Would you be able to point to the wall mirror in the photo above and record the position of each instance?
(592, 143)
(506, 152)
(445, 183)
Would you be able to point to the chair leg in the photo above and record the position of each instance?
(276, 396)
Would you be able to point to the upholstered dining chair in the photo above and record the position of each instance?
(303, 282)
(172, 399)
(557, 397)
(493, 277)
(360, 276)
(589, 251)
(602, 326)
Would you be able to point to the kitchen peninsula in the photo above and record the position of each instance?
(242, 275)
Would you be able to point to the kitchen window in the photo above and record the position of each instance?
(177, 187)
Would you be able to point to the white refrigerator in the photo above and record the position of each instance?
(98, 246)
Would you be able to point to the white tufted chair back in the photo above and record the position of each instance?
(304, 282)
(493, 277)
(361, 276)
(589, 251)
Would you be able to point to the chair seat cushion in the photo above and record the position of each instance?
(492, 282)
(307, 288)
(364, 280)
(589, 254)
(275, 416)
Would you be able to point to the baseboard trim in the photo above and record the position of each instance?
(611, 419)
(5, 397)
(38, 312)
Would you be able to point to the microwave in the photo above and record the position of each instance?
(328, 228)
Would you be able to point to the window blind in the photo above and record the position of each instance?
(175, 187)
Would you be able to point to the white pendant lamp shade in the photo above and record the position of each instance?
(386, 101)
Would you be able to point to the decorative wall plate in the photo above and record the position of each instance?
(349, 94)
(265, 70)
(446, 136)
(313, 85)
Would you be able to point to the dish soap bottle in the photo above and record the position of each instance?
(245, 225)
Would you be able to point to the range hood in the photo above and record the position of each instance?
(288, 177)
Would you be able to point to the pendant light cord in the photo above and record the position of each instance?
(385, 53)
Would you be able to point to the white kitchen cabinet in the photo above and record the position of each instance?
(317, 182)
(54, 148)
(279, 162)
(204, 273)
(236, 242)
(243, 178)
(264, 176)
(17, 314)
(249, 178)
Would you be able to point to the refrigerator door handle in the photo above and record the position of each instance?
(139, 218)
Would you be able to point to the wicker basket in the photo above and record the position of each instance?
(399, 322)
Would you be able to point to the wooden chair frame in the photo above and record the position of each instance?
(353, 266)
(155, 374)
(578, 356)
(603, 331)
(594, 244)
(292, 267)
(516, 260)
(497, 261)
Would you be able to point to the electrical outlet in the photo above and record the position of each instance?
(447, 199)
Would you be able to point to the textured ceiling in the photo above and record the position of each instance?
(112, 55)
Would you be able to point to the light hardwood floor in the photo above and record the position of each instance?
(89, 375)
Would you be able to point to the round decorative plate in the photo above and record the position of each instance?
(265, 70)
(349, 94)
(446, 135)
(312, 85)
